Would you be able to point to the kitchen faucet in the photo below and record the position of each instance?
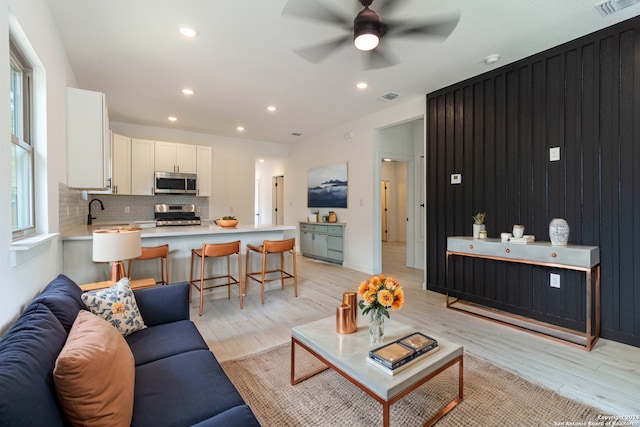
(91, 218)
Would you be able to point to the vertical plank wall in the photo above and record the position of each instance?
(496, 129)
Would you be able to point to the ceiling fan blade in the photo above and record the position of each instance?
(384, 7)
(440, 28)
(317, 53)
(316, 11)
(379, 58)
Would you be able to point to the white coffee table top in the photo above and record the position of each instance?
(349, 353)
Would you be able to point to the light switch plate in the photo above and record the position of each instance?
(554, 280)
(554, 154)
(456, 178)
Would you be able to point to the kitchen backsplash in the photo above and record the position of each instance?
(74, 210)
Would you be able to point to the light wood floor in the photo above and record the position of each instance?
(608, 377)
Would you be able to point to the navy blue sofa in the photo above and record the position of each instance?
(178, 381)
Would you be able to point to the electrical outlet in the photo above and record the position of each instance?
(126, 209)
(456, 178)
(554, 280)
(554, 154)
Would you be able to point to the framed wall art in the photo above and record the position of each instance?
(327, 186)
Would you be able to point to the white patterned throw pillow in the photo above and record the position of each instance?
(116, 305)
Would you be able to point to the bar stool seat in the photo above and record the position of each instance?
(215, 250)
(264, 275)
(154, 252)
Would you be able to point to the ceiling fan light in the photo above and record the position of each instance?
(366, 41)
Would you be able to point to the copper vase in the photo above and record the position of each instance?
(351, 298)
(344, 324)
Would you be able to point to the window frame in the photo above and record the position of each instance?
(25, 141)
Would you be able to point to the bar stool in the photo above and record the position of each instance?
(161, 252)
(271, 247)
(214, 250)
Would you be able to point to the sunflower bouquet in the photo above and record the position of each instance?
(380, 293)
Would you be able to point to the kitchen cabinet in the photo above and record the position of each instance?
(120, 164)
(322, 241)
(142, 167)
(173, 157)
(203, 169)
(88, 140)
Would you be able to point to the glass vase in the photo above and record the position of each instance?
(376, 326)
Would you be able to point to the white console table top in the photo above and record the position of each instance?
(536, 252)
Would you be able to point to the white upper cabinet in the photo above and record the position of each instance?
(173, 157)
(121, 164)
(88, 140)
(142, 167)
(203, 154)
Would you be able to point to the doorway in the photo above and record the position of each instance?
(277, 201)
(394, 204)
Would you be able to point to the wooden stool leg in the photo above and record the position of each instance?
(240, 276)
(246, 278)
(229, 278)
(202, 258)
(295, 274)
(264, 266)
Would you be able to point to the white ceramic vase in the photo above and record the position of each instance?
(477, 228)
(559, 232)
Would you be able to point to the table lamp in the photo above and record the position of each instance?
(115, 246)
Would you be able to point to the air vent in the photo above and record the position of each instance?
(296, 134)
(388, 97)
(608, 7)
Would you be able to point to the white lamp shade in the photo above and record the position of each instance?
(366, 41)
(116, 245)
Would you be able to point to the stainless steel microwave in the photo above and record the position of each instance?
(175, 183)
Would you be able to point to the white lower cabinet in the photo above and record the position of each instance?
(322, 241)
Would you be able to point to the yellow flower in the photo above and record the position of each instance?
(390, 284)
(369, 297)
(364, 287)
(385, 298)
(399, 299)
(118, 308)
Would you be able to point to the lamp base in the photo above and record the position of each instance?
(117, 271)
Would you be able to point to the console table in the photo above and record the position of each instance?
(570, 257)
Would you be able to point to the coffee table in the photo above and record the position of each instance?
(347, 353)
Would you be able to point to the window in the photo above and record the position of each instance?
(22, 152)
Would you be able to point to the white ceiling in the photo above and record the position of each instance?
(243, 59)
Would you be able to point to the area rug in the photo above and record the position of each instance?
(492, 396)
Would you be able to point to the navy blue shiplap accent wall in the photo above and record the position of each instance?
(496, 129)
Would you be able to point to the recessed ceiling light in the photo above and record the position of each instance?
(362, 85)
(271, 108)
(260, 160)
(491, 58)
(188, 31)
(172, 118)
(187, 91)
(386, 160)
(240, 129)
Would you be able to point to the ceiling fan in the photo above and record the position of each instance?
(366, 30)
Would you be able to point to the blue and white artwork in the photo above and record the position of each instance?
(327, 187)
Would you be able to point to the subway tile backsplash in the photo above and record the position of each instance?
(74, 210)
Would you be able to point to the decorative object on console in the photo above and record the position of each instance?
(559, 232)
(115, 246)
(379, 293)
(518, 231)
(478, 224)
(332, 217)
(482, 234)
(227, 221)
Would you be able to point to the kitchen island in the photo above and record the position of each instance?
(79, 266)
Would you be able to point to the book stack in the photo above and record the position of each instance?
(402, 353)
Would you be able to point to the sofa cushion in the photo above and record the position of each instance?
(28, 353)
(163, 304)
(94, 374)
(168, 339)
(63, 297)
(239, 416)
(117, 305)
(182, 390)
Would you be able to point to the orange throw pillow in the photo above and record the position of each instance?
(94, 374)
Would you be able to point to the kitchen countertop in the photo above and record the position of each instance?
(85, 232)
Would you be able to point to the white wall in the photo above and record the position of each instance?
(31, 23)
(363, 155)
(232, 166)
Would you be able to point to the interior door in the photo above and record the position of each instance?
(278, 200)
